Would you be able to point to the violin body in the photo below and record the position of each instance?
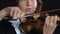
(32, 23)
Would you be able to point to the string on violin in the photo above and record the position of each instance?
(48, 11)
(43, 14)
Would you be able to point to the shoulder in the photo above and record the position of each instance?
(6, 27)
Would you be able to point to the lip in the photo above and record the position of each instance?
(28, 9)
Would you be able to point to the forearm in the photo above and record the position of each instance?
(3, 13)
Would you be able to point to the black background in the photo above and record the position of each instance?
(47, 4)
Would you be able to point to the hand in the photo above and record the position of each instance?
(16, 13)
(50, 24)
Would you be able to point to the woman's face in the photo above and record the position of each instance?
(28, 6)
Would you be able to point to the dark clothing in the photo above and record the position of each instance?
(57, 30)
(6, 27)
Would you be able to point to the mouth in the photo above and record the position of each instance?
(29, 9)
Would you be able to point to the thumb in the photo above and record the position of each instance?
(23, 14)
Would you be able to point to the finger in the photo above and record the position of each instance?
(19, 13)
(47, 20)
(12, 11)
(55, 19)
(15, 13)
(52, 20)
(23, 14)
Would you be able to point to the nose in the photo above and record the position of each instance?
(29, 3)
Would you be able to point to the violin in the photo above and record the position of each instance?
(47, 13)
(36, 21)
